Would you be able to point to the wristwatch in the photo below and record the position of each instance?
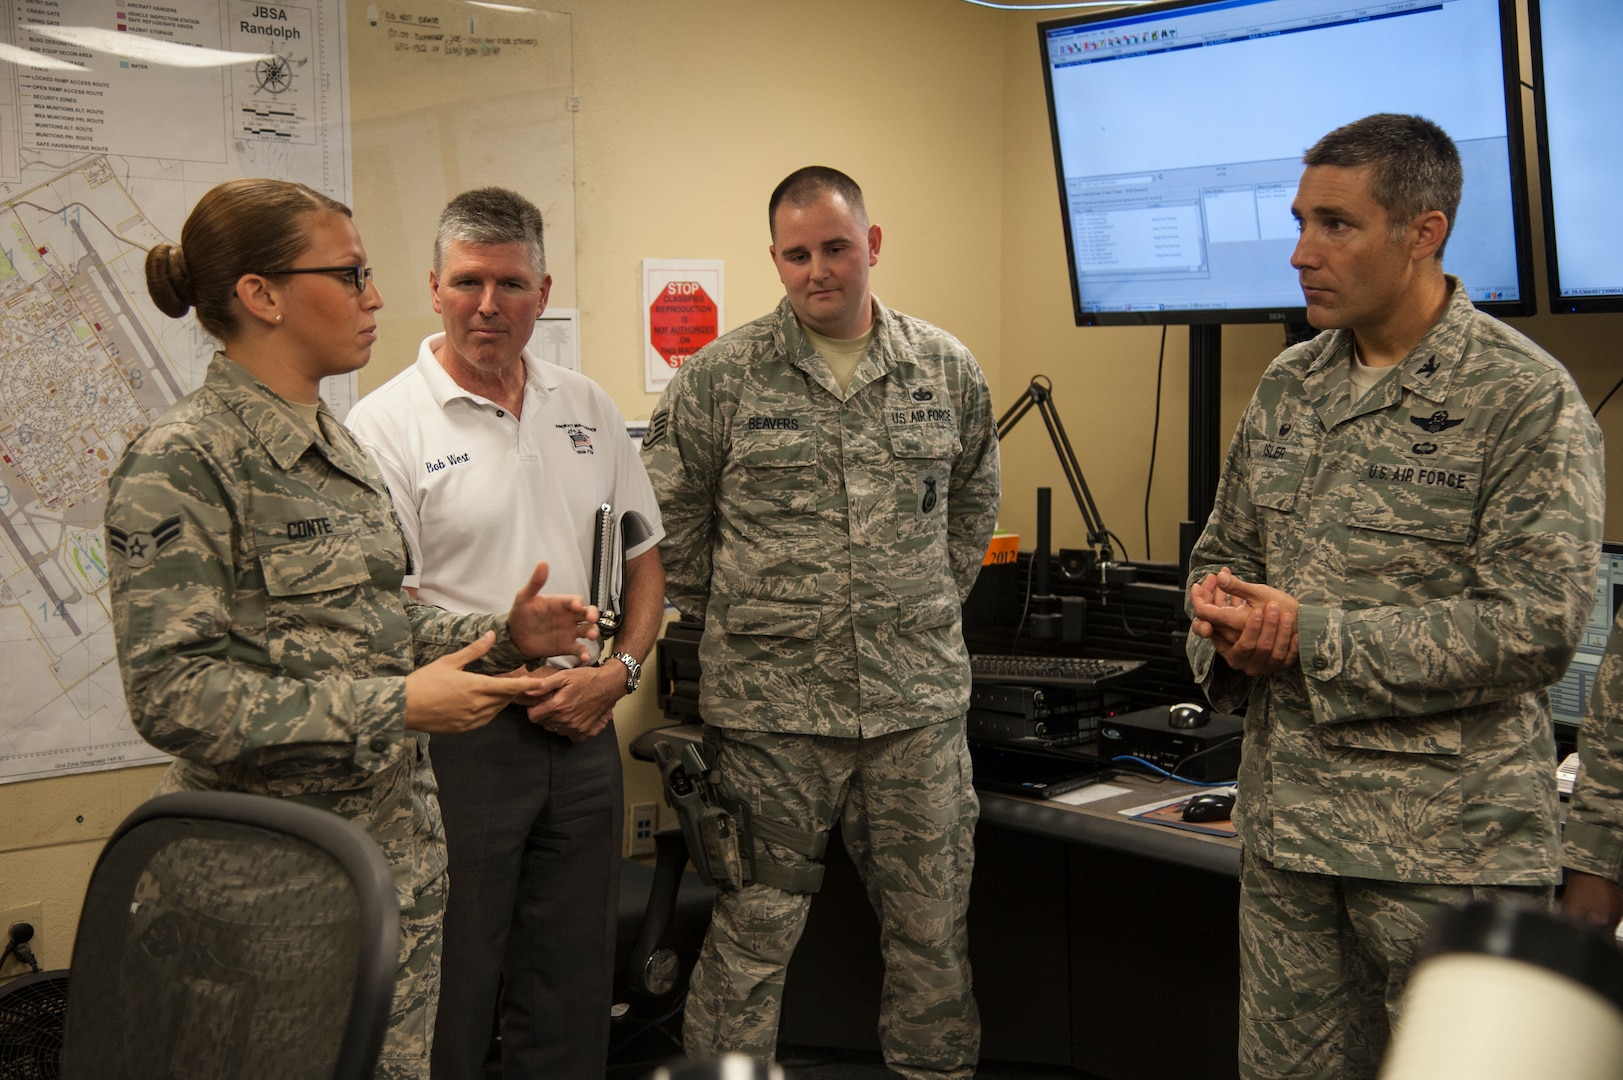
(633, 670)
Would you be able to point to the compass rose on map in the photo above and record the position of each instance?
(275, 74)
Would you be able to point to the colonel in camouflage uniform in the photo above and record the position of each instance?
(1592, 842)
(1401, 557)
(828, 476)
(262, 634)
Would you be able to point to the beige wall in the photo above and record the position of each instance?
(688, 115)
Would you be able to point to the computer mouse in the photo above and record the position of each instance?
(1187, 714)
(1212, 806)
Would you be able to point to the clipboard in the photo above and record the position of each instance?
(610, 537)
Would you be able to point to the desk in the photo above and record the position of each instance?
(1097, 942)
(1100, 824)
(1149, 946)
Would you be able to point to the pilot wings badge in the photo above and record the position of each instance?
(1437, 421)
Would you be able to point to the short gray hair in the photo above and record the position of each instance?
(1416, 165)
(492, 215)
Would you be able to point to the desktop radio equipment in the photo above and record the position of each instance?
(1059, 713)
(1150, 734)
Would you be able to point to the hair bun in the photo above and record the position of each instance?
(168, 281)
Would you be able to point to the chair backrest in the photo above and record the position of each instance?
(228, 937)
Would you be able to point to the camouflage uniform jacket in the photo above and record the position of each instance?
(827, 540)
(262, 634)
(1441, 536)
(1593, 839)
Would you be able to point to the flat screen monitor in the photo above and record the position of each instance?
(1179, 130)
(1577, 47)
(1570, 696)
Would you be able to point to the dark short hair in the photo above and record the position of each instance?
(240, 227)
(806, 185)
(492, 215)
(1416, 165)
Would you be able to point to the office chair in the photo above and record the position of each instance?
(228, 937)
(664, 913)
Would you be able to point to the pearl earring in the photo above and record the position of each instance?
(278, 318)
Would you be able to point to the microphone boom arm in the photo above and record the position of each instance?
(1039, 394)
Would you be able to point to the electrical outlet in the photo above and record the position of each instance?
(33, 915)
(644, 818)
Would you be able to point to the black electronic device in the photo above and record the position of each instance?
(1041, 776)
(1083, 672)
(1211, 806)
(985, 726)
(1178, 132)
(1149, 734)
(677, 671)
(1038, 702)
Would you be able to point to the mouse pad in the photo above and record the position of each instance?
(1172, 814)
(1016, 772)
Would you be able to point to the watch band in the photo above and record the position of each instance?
(633, 670)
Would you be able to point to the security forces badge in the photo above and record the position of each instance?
(930, 490)
(140, 548)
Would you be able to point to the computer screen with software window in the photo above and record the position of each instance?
(1570, 696)
(1179, 129)
(1577, 94)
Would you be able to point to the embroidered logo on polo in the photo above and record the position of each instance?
(140, 548)
(1436, 422)
(580, 437)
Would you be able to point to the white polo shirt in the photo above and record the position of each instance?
(483, 496)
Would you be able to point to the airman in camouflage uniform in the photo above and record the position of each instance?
(263, 639)
(1385, 586)
(826, 530)
(1592, 842)
(256, 563)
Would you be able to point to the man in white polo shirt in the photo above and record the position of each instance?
(495, 460)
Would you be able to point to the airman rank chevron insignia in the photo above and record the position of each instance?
(140, 548)
(656, 429)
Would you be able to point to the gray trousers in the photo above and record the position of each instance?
(907, 814)
(1324, 961)
(532, 824)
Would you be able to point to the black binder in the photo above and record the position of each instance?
(610, 539)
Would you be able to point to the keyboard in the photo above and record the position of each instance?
(1083, 672)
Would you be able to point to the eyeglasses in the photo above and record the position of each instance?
(358, 275)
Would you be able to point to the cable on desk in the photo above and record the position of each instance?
(1154, 768)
